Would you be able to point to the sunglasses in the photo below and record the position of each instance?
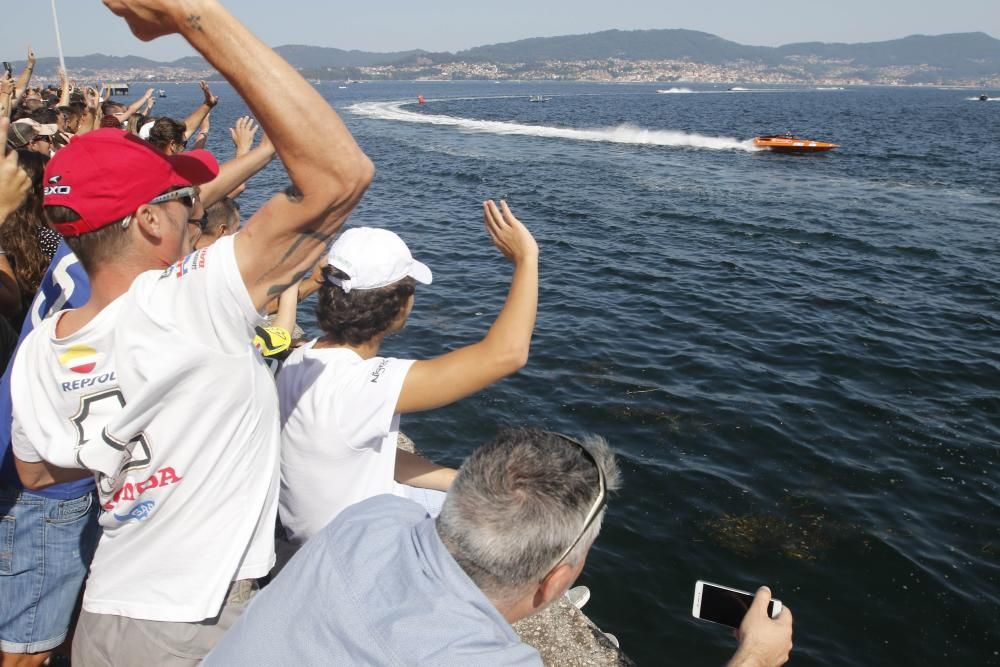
(599, 502)
(43, 137)
(186, 196)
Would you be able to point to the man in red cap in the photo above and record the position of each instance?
(153, 385)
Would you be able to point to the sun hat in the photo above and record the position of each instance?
(107, 174)
(373, 258)
(45, 130)
(24, 131)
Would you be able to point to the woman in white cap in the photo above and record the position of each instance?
(341, 401)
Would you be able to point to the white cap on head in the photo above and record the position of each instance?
(373, 258)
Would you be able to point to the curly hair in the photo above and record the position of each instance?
(358, 316)
(19, 235)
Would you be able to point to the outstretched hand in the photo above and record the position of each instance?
(509, 236)
(14, 181)
(243, 133)
(210, 99)
(764, 641)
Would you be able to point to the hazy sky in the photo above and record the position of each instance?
(451, 25)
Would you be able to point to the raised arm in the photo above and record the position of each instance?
(6, 95)
(329, 172)
(14, 186)
(236, 172)
(64, 88)
(242, 134)
(194, 121)
(22, 81)
(91, 116)
(504, 350)
(202, 137)
(135, 106)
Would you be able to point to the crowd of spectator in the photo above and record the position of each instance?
(163, 419)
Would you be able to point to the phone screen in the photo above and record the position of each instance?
(6, 66)
(726, 606)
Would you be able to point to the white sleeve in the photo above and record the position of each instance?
(366, 415)
(20, 443)
(22, 408)
(204, 296)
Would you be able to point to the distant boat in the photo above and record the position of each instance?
(538, 98)
(421, 100)
(984, 97)
(342, 87)
(786, 143)
(161, 93)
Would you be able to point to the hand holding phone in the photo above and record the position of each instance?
(725, 605)
(763, 641)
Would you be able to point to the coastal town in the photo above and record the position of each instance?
(807, 71)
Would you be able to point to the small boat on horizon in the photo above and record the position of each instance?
(788, 143)
(984, 97)
(161, 93)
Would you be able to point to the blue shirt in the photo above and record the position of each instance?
(376, 586)
(65, 285)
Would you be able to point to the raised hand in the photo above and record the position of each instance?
(509, 236)
(149, 19)
(210, 99)
(14, 181)
(31, 56)
(92, 98)
(242, 134)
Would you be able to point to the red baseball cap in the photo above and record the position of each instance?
(107, 174)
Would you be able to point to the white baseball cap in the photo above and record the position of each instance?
(373, 258)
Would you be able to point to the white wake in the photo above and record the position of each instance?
(622, 134)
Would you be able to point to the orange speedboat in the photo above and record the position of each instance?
(786, 143)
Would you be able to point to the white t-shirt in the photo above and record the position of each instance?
(338, 433)
(164, 396)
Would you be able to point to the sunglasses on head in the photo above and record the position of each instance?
(599, 502)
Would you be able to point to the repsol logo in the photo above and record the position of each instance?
(57, 190)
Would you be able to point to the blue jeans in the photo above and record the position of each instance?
(46, 546)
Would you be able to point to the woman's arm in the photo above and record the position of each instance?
(504, 350)
(415, 470)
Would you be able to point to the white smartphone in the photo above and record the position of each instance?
(725, 605)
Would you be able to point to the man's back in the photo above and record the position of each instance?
(387, 593)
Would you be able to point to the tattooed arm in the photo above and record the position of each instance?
(286, 237)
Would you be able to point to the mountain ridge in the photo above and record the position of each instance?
(947, 56)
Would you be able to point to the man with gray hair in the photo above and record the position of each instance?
(385, 584)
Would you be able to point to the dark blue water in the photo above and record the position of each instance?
(796, 356)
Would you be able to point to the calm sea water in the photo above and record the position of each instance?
(795, 356)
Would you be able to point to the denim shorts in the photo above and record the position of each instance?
(46, 546)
